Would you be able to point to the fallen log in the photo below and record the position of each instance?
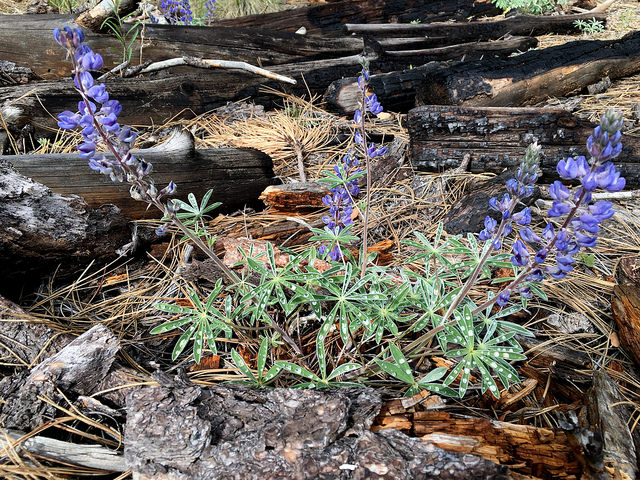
(77, 368)
(496, 138)
(533, 76)
(182, 430)
(236, 175)
(41, 229)
(459, 32)
(407, 67)
(161, 42)
(154, 100)
(330, 18)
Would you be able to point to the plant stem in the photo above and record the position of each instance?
(365, 232)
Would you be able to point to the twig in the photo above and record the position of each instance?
(91, 456)
(114, 70)
(208, 63)
(602, 7)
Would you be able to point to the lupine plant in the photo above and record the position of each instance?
(369, 321)
(179, 12)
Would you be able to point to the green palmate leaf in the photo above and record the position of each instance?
(242, 365)
(298, 370)
(344, 369)
(395, 371)
(262, 355)
(183, 341)
(198, 343)
(434, 375)
(399, 368)
(320, 351)
(168, 326)
(166, 307)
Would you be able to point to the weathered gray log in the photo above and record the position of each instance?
(41, 229)
(461, 51)
(184, 431)
(330, 18)
(459, 32)
(533, 76)
(237, 176)
(24, 338)
(161, 42)
(91, 456)
(606, 414)
(79, 368)
(496, 137)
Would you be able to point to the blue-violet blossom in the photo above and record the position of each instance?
(581, 215)
(100, 126)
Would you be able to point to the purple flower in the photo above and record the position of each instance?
(523, 217)
(520, 257)
(503, 298)
(68, 120)
(529, 236)
(100, 125)
(572, 168)
(98, 93)
(558, 191)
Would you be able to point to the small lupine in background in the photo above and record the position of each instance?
(177, 11)
(371, 305)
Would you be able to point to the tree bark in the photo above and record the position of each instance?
(161, 42)
(459, 32)
(329, 19)
(25, 339)
(408, 69)
(625, 306)
(496, 138)
(544, 452)
(183, 431)
(41, 229)
(236, 175)
(533, 76)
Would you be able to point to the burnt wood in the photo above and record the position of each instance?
(408, 65)
(534, 76)
(161, 42)
(495, 138)
(459, 32)
(329, 19)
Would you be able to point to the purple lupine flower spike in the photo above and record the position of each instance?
(98, 118)
(579, 216)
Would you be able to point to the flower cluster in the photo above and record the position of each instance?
(342, 194)
(97, 116)
(340, 200)
(579, 214)
(210, 6)
(177, 11)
